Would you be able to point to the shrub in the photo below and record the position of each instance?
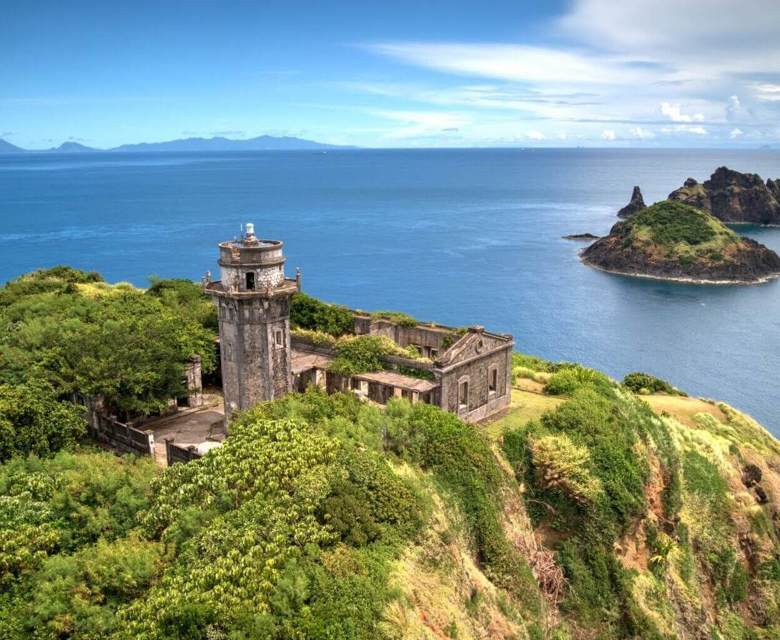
(567, 380)
(637, 382)
(563, 466)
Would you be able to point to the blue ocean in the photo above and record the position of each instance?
(457, 236)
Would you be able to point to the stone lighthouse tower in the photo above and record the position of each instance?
(253, 301)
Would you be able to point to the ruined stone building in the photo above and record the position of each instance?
(466, 372)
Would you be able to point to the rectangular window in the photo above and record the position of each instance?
(354, 383)
(493, 381)
(463, 394)
(250, 280)
(279, 338)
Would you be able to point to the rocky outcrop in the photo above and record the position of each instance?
(732, 196)
(635, 205)
(674, 241)
(581, 236)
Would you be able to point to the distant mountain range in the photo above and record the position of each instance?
(261, 143)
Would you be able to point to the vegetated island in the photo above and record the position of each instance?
(672, 240)
(591, 508)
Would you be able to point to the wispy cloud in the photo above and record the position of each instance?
(647, 70)
(416, 124)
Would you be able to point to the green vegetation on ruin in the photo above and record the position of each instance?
(363, 354)
(307, 312)
(397, 317)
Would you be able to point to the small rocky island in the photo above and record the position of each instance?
(734, 197)
(671, 240)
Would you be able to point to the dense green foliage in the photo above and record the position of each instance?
(307, 312)
(283, 532)
(82, 336)
(68, 554)
(32, 420)
(646, 383)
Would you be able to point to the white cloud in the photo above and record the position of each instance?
(675, 114)
(515, 62)
(641, 133)
(535, 135)
(735, 133)
(608, 134)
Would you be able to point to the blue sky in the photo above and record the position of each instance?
(393, 73)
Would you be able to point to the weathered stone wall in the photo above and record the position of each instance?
(481, 402)
(430, 337)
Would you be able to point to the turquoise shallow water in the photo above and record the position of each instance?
(459, 236)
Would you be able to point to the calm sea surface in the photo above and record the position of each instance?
(459, 236)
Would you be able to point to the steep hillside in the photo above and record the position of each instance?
(675, 241)
(584, 512)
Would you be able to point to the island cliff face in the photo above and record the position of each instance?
(675, 241)
(732, 196)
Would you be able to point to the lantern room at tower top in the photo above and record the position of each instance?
(250, 265)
